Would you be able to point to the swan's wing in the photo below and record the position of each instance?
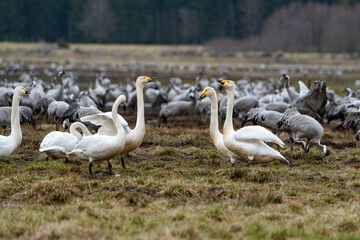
(107, 130)
(48, 138)
(101, 119)
(256, 133)
(104, 119)
(61, 142)
(303, 88)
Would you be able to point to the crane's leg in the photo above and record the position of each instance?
(306, 150)
(291, 150)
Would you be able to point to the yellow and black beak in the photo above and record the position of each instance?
(203, 95)
(26, 91)
(223, 81)
(150, 79)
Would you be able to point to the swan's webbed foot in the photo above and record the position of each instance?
(47, 158)
(110, 167)
(232, 164)
(66, 160)
(123, 162)
(90, 167)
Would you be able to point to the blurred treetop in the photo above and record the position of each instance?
(138, 21)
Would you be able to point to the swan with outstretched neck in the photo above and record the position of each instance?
(56, 144)
(8, 144)
(215, 134)
(248, 142)
(102, 147)
(134, 137)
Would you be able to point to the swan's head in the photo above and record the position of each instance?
(228, 84)
(122, 99)
(207, 92)
(144, 80)
(21, 91)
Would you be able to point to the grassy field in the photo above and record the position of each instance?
(177, 185)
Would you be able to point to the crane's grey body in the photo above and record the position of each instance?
(303, 126)
(26, 116)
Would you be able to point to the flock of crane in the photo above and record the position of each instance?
(95, 135)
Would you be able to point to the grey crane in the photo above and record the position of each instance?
(313, 103)
(56, 110)
(26, 116)
(303, 126)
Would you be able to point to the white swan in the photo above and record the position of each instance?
(134, 137)
(8, 144)
(102, 147)
(56, 144)
(215, 134)
(248, 142)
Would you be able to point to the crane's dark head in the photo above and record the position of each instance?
(60, 73)
(285, 76)
(326, 151)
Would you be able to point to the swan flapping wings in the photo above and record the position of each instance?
(257, 133)
(107, 124)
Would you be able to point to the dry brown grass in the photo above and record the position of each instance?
(177, 185)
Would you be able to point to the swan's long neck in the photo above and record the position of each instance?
(140, 121)
(75, 132)
(119, 127)
(15, 117)
(228, 125)
(214, 124)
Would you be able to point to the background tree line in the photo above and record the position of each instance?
(253, 24)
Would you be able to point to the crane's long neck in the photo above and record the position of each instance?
(287, 83)
(140, 121)
(214, 124)
(228, 125)
(15, 117)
